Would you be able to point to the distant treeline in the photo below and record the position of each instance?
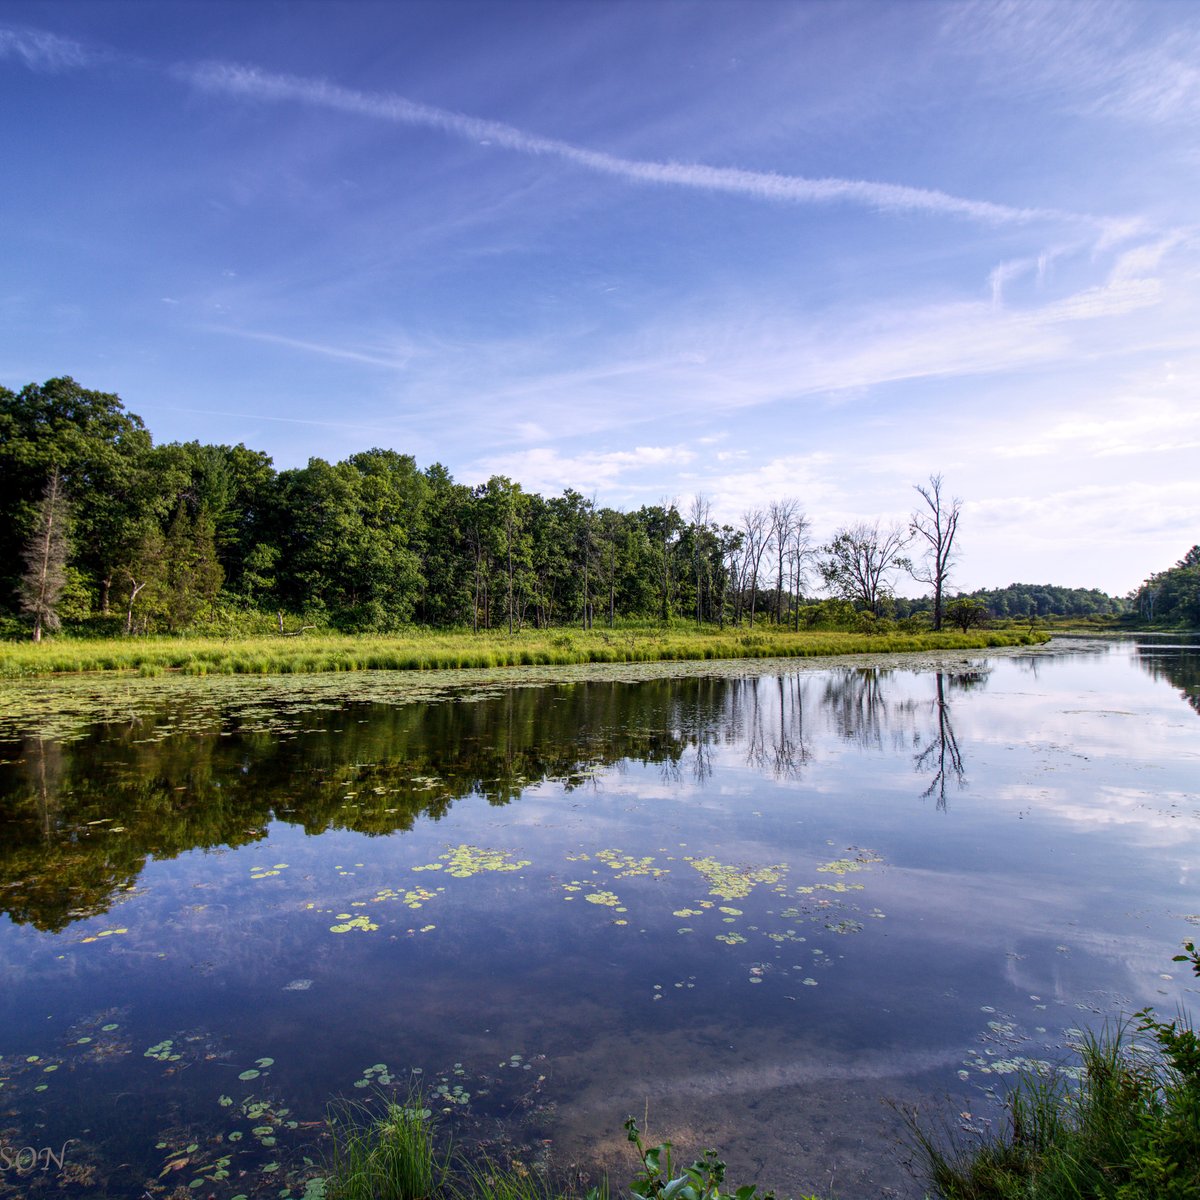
(101, 527)
(1023, 600)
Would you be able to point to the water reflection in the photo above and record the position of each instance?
(1178, 663)
(683, 892)
(770, 715)
(81, 819)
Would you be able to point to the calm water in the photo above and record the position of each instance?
(755, 903)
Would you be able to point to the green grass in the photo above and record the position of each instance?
(391, 1156)
(424, 650)
(1128, 1130)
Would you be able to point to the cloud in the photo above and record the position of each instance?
(41, 51)
(393, 362)
(1128, 512)
(238, 80)
(1097, 59)
(545, 470)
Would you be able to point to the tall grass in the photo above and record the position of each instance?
(424, 650)
(393, 1156)
(1129, 1130)
(387, 1157)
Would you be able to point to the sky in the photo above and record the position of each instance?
(645, 250)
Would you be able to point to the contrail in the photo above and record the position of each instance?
(233, 79)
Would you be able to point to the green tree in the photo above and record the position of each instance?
(142, 574)
(193, 576)
(1173, 596)
(98, 449)
(966, 612)
(861, 563)
(439, 540)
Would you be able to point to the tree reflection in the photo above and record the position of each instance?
(1178, 664)
(79, 820)
(941, 756)
(856, 701)
(772, 724)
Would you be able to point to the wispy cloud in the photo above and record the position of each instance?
(546, 470)
(250, 82)
(244, 415)
(1101, 59)
(395, 362)
(42, 51)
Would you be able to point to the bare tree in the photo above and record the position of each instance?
(784, 515)
(699, 514)
(800, 557)
(861, 561)
(46, 559)
(757, 531)
(937, 528)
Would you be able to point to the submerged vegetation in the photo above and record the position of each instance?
(427, 650)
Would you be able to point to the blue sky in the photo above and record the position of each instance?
(643, 249)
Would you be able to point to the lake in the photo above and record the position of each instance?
(760, 905)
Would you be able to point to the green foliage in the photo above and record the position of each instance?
(393, 1157)
(658, 1179)
(173, 538)
(1172, 597)
(1026, 600)
(98, 450)
(966, 613)
(861, 563)
(1130, 1129)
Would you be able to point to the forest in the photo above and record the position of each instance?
(108, 532)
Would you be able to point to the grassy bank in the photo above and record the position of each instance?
(427, 650)
(393, 1155)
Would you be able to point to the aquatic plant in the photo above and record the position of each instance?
(657, 1178)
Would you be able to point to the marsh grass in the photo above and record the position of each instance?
(390, 1156)
(426, 650)
(486, 1179)
(1128, 1130)
(391, 1153)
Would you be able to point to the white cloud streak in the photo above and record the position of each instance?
(41, 51)
(323, 349)
(235, 80)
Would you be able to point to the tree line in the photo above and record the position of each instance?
(1172, 597)
(101, 523)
